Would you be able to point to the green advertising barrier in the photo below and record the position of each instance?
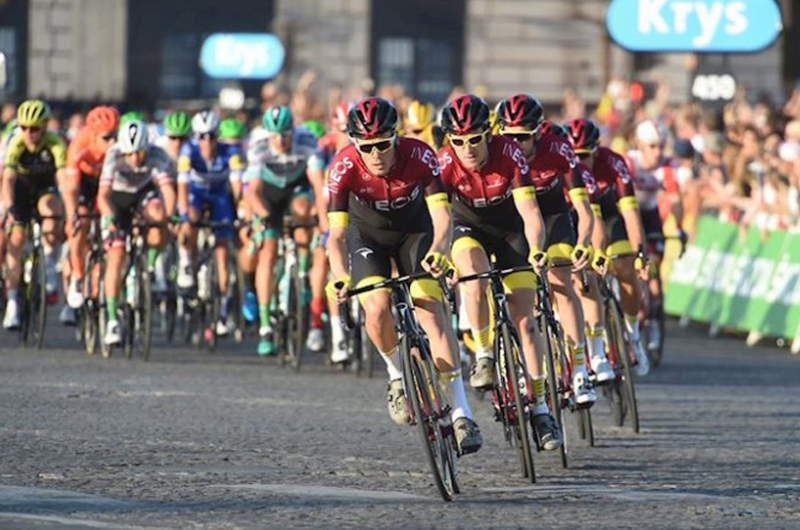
(744, 281)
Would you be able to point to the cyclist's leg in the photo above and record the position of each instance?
(248, 261)
(123, 205)
(654, 231)
(50, 204)
(317, 279)
(187, 239)
(16, 243)
(469, 257)
(152, 208)
(222, 211)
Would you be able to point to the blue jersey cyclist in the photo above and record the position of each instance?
(205, 170)
(282, 169)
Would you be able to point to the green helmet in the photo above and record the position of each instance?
(133, 115)
(33, 113)
(278, 119)
(177, 123)
(315, 127)
(9, 128)
(231, 129)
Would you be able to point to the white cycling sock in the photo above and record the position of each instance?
(392, 359)
(184, 256)
(458, 396)
(337, 333)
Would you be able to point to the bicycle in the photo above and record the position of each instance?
(33, 285)
(429, 410)
(512, 400)
(135, 312)
(87, 315)
(559, 372)
(621, 355)
(358, 344)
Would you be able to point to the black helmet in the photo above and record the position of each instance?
(520, 110)
(465, 114)
(371, 118)
(556, 129)
(584, 135)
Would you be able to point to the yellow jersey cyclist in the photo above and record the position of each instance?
(35, 163)
(136, 181)
(420, 123)
(623, 226)
(281, 171)
(554, 167)
(495, 212)
(401, 213)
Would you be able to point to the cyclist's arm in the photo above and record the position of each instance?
(168, 193)
(256, 202)
(441, 216)
(629, 209)
(72, 182)
(580, 201)
(104, 199)
(338, 221)
(528, 208)
(599, 229)
(236, 167)
(317, 179)
(184, 177)
(9, 178)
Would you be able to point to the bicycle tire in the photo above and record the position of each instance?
(212, 305)
(297, 322)
(428, 426)
(127, 327)
(171, 312)
(237, 295)
(585, 427)
(25, 289)
(145, 310)
(554, 386)
(40, 297)
(102, 315)
(510, 350)
(88, 312)
(622, 355)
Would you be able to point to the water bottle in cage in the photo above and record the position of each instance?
(130, 286)
(202, 282)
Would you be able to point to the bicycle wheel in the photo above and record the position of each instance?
(623, 393)
(421, 387)
(39, 298)
(102, 315)
(556, 372)
(237, 295)
(127, 326)
(212, 306)
(171, 312)
(510, 351)
(144, 310)
(585, 427)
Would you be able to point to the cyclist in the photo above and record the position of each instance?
(85, 157)
(658, 193)
(34, 168)
(205, 170)
(420, 123)
(9, 131)
(177, 126)
(589, 298)
(554, 167)
(281, 170)
(622, 223)
(385, 182)
(495, 212)
(134, 172)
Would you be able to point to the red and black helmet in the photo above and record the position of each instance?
(371, 118)
(584, 135)
(464, 115)
(556, 129)
(519, 110)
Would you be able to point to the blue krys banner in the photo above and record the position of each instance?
(713, 26)
(242, 55)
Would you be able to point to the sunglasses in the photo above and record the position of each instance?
(207, 136)
(655, 146)
(31, 129)
(582, 155)
(177, 138)
(381, 145)
(472, 139)
(417, 131)
(109, 137)
(520, 136)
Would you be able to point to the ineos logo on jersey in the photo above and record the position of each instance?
(589, 182)
(427, 157)
(387, 205)
(622, 170)
(519, 158)
(445, 160)
(566, 152)
(339, 168)
(485, 202)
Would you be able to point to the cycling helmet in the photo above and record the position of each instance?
(177, 123)
(464, 115)
(103, 119)
(315, 127)
(278, 120)
(132, 137)
(231, 129)
(339, 116)
(131, 115)
(520, 111)
(9, 128)
(33, 113)
(371, 118)
(556, 129)
(583, 135)
(419, 115)
(651, 131)
(205, 122)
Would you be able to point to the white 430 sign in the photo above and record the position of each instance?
(714, 87)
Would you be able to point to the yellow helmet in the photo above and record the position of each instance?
(33, 113)
(419, 115)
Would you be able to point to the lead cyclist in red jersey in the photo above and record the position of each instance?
(401, 212)
(495, 213)
(624, 232)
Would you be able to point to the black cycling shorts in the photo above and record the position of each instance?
(371, 256)
(510, 248)
(561, 235)
(277, 200)
(27, 194)
(126, 206)
(88, 192)
(653, 230)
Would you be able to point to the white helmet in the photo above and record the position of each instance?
(651, 132)
(204, 122)
(132, 137)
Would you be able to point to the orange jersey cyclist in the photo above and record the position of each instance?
(387, 202)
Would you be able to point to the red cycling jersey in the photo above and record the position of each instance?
(587, 177)
(505, 170)
(611, 174)
(553, 171)
(392, 201)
